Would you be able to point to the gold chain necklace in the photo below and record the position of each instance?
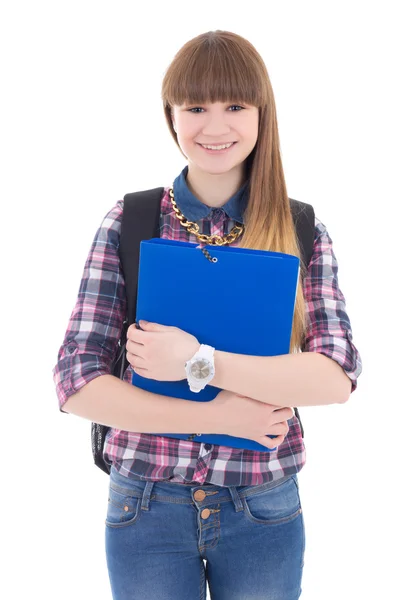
(215, 240)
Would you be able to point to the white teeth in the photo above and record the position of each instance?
(217, 147)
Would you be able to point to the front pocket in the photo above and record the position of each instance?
(275, 506)
(122, 509)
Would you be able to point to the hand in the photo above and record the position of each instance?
(244, 417)
(159, 351)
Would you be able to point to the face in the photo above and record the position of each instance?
(218, 123)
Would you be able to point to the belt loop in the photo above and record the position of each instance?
(146, 494)
(236, 498)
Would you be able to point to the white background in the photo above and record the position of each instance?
(81, 125)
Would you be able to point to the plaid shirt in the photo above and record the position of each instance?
(95, 326)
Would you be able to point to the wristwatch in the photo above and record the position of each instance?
(200, 368)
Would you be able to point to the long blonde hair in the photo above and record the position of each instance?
(221, 66)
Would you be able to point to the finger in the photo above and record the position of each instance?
(136, 361)
(142, 372)
(272, 442)
(283, 414)
(278, 429)
(282, 408)
(136, 335)
(278, 441)
(288, 409)
(135, 348)
(147, 326)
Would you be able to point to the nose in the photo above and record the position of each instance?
(215, 127)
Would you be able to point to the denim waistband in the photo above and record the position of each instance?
(187, 493)
(185, 484)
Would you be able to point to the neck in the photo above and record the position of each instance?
(214, 189)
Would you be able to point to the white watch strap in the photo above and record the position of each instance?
(205, 352)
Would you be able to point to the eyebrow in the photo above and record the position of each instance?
(228, 102)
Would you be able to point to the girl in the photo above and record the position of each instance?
(181, 513)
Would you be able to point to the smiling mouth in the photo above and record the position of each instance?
(217, 151)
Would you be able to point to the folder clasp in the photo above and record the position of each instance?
(206, 253)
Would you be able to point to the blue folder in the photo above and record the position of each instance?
(242, 303)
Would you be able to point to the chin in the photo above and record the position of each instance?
(217, 169)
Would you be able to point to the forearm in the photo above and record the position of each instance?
(115, 403)
(303, 379)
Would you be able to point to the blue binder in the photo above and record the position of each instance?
(242, 303)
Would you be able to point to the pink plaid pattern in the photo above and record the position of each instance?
(95, 325)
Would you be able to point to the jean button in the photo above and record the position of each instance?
(199, 495)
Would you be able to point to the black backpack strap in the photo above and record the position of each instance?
(140, 221)
(304, 221)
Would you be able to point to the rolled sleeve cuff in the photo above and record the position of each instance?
(75, 368)
(340, 348)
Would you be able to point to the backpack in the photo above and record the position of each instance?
(141, 221)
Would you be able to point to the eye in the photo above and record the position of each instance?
(200, 108)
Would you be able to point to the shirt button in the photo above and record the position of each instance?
(208, 446)
(70, 349)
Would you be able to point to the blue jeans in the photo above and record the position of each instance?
(165, 540)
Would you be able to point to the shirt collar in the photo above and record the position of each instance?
(194, 210)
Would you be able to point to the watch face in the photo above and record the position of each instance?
(200, 369)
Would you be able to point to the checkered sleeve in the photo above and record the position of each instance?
(329, 329)
(95, 325)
